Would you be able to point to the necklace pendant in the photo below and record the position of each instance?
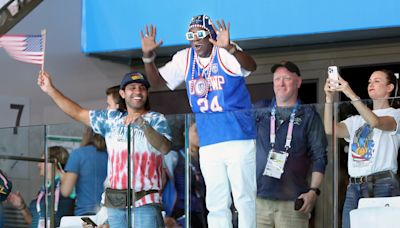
(201, 87)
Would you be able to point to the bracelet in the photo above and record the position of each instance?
(22, 208)
(141, 123)
(233, 49)
(357, 99)
(149, 59)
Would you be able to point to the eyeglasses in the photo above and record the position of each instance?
(201, 34)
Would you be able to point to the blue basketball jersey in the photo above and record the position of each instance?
(222, 105)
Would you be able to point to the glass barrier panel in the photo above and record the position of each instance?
(82, 161)
(21, 159)
(210, 150)
(323, 214)
(227, 161)
(156, 147)
(178, 162)
(366, 144)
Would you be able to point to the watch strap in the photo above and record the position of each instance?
(316, 190)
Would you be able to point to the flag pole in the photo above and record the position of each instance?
(44, 46)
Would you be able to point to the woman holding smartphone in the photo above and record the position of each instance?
(372, 136)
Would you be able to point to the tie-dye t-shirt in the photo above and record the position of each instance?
(148, 160)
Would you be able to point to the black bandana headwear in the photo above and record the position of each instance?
(203, 21)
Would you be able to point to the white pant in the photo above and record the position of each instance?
(230, 165)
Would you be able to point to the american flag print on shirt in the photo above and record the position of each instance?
(146, 162)
(24, 48)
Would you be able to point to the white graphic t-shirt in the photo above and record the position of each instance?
(372, 150)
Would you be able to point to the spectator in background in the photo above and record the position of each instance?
(114, 100)
(86, 170)
(34, 213)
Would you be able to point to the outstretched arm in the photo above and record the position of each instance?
(223, 41)
(149, 45)
(385, 123)
(68, 106)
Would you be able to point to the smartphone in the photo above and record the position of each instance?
(333, 74)
(89, 221)
(298, 203)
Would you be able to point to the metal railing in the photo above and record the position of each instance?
(52, 181)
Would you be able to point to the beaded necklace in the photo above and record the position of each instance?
(201, 85)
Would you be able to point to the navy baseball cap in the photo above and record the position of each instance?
(134, 77)
(203, 21)
(5, 186)
(290, 66)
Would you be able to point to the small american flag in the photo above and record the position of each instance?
(25, 48)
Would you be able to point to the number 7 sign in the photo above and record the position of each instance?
(14, 112)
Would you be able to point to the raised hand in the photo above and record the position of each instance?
(340, 85)
(44, 81)
(149, 43)
(16, 200)
(344, 87)
(223, 39)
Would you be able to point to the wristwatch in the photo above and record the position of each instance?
(316, 190)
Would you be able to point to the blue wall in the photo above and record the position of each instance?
(115, 25)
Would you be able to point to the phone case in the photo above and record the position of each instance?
(333, 74)
(89, 221)
(298, 204)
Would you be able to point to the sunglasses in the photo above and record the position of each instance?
(201, 34)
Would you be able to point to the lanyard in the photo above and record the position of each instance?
(272, 135)
(43, 192)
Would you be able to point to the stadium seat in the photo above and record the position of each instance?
(376, 212)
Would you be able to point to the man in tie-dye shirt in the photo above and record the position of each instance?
(151, 140)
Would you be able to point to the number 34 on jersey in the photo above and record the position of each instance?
(205, 105)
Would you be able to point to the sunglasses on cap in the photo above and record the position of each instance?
(201, 34)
